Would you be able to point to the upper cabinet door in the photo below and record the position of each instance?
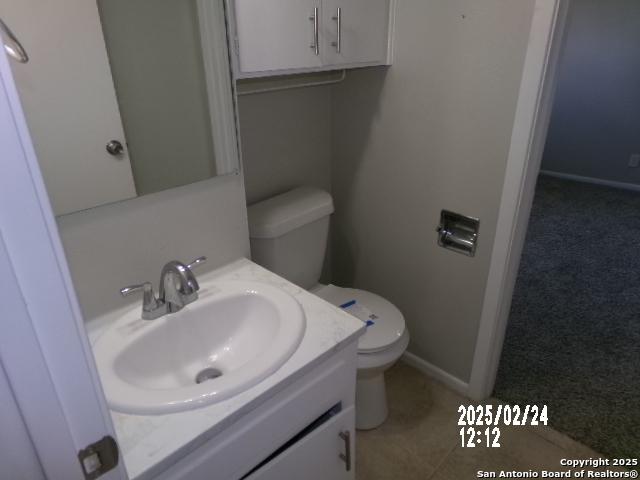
(355, 31)
(277, 35)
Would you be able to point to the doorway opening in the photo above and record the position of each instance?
(573, 334)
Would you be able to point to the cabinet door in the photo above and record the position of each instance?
(318, 455)
(277, 34)
(361, 35)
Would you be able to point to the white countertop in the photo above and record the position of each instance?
(149, 444)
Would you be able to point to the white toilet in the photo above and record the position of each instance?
(289, 235)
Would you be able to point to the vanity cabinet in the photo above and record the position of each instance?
(278, 37)
(305, 431)
(326, 453)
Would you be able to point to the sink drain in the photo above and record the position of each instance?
(208, 374)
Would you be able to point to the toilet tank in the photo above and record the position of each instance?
(289, 234)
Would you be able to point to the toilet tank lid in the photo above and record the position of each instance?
(283, 213)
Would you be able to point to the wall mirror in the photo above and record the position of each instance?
(124, 98)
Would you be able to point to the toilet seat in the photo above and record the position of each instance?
(384, 329)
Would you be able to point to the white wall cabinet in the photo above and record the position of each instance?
(278, 37)
(364, 31)
(276, 34)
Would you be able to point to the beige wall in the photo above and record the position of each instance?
(397, 145)
(286, 140)
(431, 132)
(128, 242)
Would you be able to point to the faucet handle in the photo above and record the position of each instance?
(197, 262)
(151, 307)
(145, 287)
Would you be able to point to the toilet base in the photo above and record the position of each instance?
(371, 402)
(371, 391)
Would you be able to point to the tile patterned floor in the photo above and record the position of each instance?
(420, 439)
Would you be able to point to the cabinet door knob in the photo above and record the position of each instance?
(114, 147)
(346, 456)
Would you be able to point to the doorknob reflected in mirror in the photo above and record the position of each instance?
(115, 148)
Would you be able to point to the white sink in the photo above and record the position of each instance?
(234, 336)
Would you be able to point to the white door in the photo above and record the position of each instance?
(71, 118)
(44, 348)
(18, 457)
(277, 34)
(355, 31)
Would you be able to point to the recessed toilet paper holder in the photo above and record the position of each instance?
(458, 232)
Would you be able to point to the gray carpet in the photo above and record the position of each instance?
(573, 339)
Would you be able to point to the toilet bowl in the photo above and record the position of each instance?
(288, 236)
(379, 348)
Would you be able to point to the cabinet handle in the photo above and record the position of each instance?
(346, 456)
(338, 19)
(315, 20)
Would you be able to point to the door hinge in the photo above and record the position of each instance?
(98, 458)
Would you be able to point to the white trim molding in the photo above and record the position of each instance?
(634, 187)
(436, 373)
(528, 137)
(215, 57)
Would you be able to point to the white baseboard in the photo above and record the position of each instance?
(596, 181)
(432, 371)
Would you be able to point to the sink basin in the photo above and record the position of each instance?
(234, 336)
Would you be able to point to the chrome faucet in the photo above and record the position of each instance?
(178, 288)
